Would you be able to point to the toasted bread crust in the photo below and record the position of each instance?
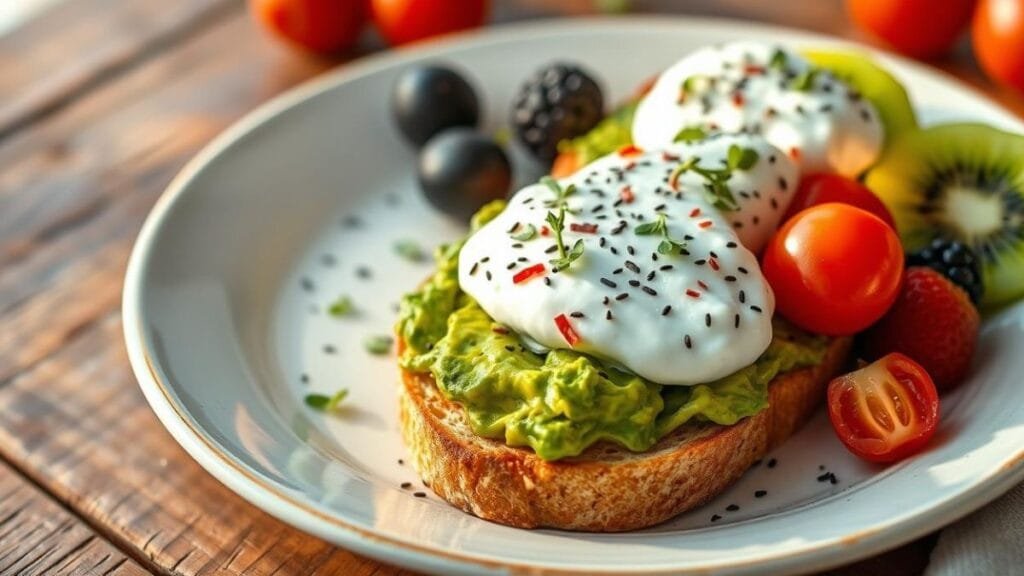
(598, 490)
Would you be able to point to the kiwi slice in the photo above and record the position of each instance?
(963, 182)
(875, 83)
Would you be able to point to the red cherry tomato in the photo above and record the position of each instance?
(998, 37)
(835, 269)
(822, 188)
(885, 411)
(917, 28)
(402, 21)
(324, 26)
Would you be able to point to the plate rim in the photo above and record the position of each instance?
(264, 495)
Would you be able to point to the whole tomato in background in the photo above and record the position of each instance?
(402, 21)
(324, 26)
(998, 37)
(823, 188)
(917, 28)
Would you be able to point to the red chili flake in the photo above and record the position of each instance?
(627, 195)
(692, 293)
(584, 228)
(712, 126)
(570, 335)
(630, 150)
(544, 231)
(794, 153)
(751, 69)
(695, 212)
(629, 166)
(737, 99)
(527, 273)
(702, 285)
(713, 263)
(499, 330)
(705, 224)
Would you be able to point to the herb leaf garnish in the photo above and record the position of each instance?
(565, 259)
(778, 60)
(410, 250)
(561, 194)
(741, 158)
(690, 134)
(378, 344)
(716, 188)
(341, 307)
(326, 403)
(805, 80)
(659, 226)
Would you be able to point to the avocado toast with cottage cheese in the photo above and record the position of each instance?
(610, 334)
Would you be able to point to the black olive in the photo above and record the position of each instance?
(460, 170)
(429, 99)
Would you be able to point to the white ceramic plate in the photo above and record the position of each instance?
(224, 313)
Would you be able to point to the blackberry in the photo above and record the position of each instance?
(955, 261)
(558, 102)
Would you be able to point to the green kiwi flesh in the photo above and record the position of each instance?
(875, 83)
(963, 182)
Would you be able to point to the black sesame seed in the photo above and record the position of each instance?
(732, 507)
(307, 284)
(622, 296)
(782, 183)
(521, 259)
(510, 266)
(650, 290)
(329, 349)
(730, 244)
(488, 274)
(620, 227)
(609, 283)
(472, 271)
(650, 275)
(617, 271)
(743, 297)
(632, 266)
(618, 202)
(576, 314)
(659, 207)
(406, 485)
(606, 301)
(712, 254)
(597, 209)
(304, 378)
(634, 283)
(736, 321)
(824, 477)
(707, 320)
(401, 462)
(700, 262)
(688, 341)
(772, 463)
(666, 310)
(420, 494)
(756, 308)
(510, 348)
(515, 226)
(760, 493)
(602, 241)
(613, 250)
(608, 315)
(742, 270)
(832, 479)
(821, 466)
(715, 518)
(547, 281)
(666, 267)
(517, 245)
(865, 115)
(631, 250)
(729, 278)
(551, 249)
(771, 159)
(654, 256)
(485, 259)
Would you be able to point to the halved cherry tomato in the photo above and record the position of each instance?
(885, 411)
(402, 21)
(835, 269)
(917, 28)
(319, 25)
(822, 188)
(998, 36)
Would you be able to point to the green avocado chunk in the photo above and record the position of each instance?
(562, 402)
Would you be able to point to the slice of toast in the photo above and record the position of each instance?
(607, 488)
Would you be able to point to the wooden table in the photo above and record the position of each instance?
(101, 103)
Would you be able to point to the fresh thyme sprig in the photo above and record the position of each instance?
(561, 194)
(565, 258)
(716, 187)
(660, 226)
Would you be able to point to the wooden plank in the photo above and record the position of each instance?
(75, 46)
(38, 536)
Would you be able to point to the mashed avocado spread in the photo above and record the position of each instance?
(560, 403)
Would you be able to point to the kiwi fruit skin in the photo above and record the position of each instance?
(965, 182)
(875, 83)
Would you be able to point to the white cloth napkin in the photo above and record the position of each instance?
(989, 541)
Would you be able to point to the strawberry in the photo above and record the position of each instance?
(932, 322)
